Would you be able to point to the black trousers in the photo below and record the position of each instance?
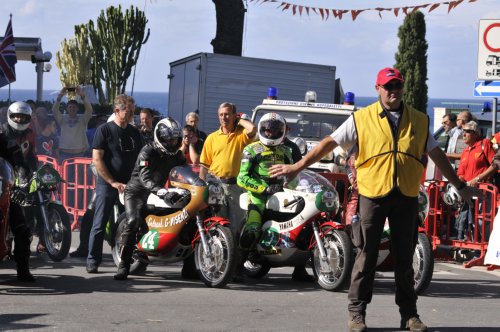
(401, 211)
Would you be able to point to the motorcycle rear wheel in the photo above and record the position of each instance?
(136, 266)
(423, 263)
(334, 273)
(58, 240)
(217, 267)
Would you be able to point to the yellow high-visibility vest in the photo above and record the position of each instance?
(385, 162)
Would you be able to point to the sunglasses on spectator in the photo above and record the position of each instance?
(469, 131)
(393, 86)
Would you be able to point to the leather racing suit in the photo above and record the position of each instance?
(149, 175)
(12, 152)
(256, 160)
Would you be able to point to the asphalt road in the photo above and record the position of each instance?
(66, 298)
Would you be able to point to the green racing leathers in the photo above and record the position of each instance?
(256, 160)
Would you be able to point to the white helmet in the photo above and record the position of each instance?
(19, 108)
(423, 205)
(451, 196)
(165, 132)
(272, 129)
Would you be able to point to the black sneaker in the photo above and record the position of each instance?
(92, 268)
(300, 274)
(78, 253)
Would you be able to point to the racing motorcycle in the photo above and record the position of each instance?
(173, 232)
(6, 183)
(298, 225)
(44, 204)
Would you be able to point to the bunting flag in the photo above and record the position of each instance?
(8, 58)
(339, 13)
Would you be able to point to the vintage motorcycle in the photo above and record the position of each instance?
(173, 232)
(43, 205)
(6, 182)
(298, 225)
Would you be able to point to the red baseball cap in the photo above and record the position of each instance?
(388, 74)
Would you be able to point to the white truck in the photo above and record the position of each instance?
(201, 82)
(309, 123)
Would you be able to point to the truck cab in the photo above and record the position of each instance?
(309, 123)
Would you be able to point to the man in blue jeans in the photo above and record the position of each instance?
(114, 151)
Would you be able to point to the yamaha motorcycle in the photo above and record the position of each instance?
(298, 224)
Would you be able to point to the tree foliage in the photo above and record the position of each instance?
(411, 60)
(230, 16)
(104, 53)
(74, 60)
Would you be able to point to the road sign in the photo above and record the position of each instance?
(487, 89)
(488, 56)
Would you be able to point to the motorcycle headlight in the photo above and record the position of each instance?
(327, 200)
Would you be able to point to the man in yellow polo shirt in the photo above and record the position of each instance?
(221, 157)
(391, 140)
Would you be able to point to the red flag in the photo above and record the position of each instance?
(8, 58)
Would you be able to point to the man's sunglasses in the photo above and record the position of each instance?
(469, 131)
(393, 86)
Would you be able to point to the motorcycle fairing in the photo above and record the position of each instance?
(154, 241)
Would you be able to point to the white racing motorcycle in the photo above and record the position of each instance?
(298, 225)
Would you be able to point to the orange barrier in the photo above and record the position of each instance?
(78, 188)
(438, 223)
(341, 182)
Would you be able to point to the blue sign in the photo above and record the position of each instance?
(487, 89)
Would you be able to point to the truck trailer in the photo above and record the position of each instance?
(201, 82)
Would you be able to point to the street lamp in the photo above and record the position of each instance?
(39, 58)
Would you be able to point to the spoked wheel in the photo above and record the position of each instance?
(423, 263)
(216, 267)
(58, 237)
(137, 266)
(333, 273)
(256, 270)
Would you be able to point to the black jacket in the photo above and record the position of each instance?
(152, 168)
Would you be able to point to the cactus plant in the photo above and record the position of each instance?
(116, 40)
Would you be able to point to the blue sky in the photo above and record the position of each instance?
(358, 49)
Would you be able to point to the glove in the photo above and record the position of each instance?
(274, 188)
(172, 197)
(18, 195)
(162, 192)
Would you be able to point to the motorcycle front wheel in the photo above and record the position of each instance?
(136, 266)
(334, 272)
(216, 267)
(58, 237)
(423, 263)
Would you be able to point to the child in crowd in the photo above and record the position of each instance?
(47, 142)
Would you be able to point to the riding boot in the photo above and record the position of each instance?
(23, 270)
(124, 266)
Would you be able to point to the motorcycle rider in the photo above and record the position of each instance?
(17, 147)
(150, 173)
(254, 177)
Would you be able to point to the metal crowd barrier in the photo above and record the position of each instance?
(440, 219)
(78, 186)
